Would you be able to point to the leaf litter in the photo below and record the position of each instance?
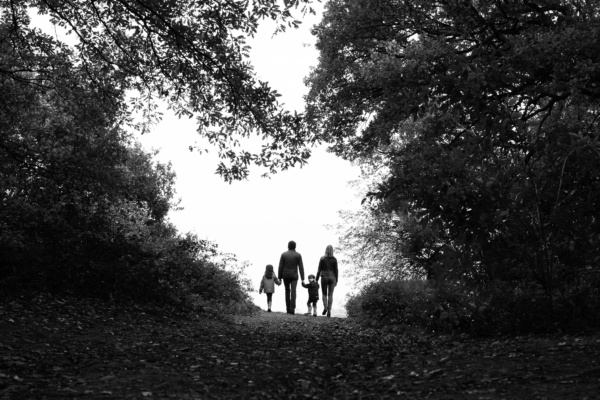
(88, 349)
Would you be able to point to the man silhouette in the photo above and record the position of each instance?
(289, 264)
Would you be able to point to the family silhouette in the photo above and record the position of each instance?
(290, 269)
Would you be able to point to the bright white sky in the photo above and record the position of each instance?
(255, 219)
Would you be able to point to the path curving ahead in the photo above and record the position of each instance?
(73, 349)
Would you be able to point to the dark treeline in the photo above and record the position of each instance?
(82, 206)
(476, 124)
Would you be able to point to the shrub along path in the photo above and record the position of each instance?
(64, 348)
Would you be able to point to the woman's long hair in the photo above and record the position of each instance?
(329, 251)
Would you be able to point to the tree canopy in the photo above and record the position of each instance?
(83, 208)
(484, 115)
(191, 54)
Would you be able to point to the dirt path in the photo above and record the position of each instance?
(90, 350)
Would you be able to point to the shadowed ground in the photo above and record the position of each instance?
(51, 348)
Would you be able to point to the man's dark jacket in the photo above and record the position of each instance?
(289, 264)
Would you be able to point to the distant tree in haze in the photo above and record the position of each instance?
(484, 115)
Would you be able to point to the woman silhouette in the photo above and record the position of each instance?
(328, 271)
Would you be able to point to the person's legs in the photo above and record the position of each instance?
(308, 305)
(324, 291)
(330, 297)
(286, 285)
(314, 303)
(293, 284)
(269, 300)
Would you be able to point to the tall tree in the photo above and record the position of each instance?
(82, 207)
(486, 114)
(68, 172)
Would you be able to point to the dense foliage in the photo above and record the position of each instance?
(82, 207)
(483, 116)
(190, 54)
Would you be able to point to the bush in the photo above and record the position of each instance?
(514, 309)
(448, 307)
(396, 302)
(118, 252)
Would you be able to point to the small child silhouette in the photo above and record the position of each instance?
(267, 284)
(313, 294)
